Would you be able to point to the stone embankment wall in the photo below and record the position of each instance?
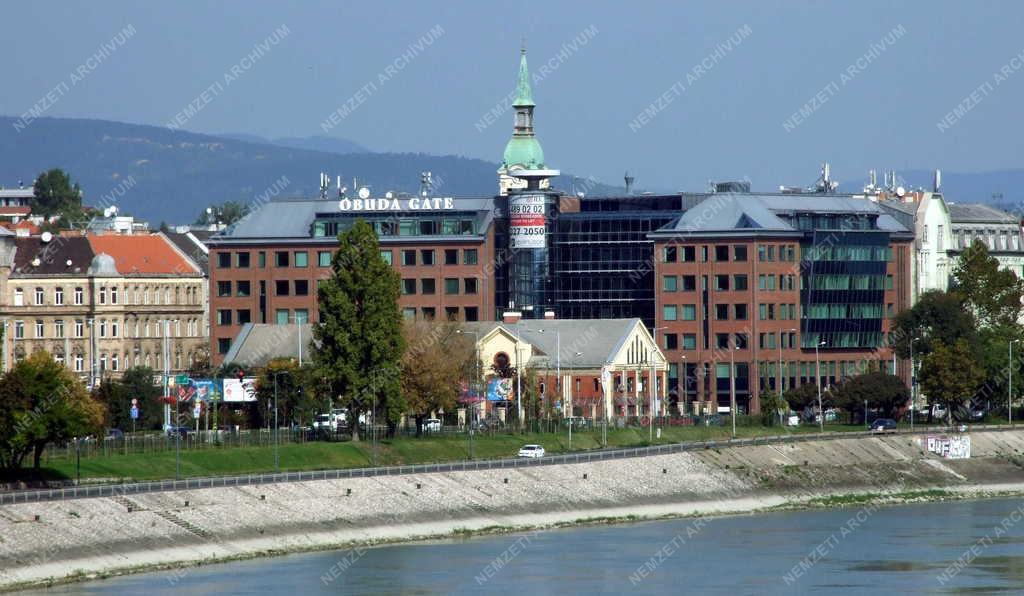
(104, 535)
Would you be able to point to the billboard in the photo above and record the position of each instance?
(499, 389)
(207, 389)
(527, 228)
(240, 390)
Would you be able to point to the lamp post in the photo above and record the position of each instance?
(913, 383)
(1009, 387)
(817, 381)
(686, 381)
(732, 383)
(654, 384)
(476, 366)
(519, 381)
(277, 427)
(575, 360)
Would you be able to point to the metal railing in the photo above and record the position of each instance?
(110, 490)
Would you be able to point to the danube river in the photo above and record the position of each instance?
(967, 546)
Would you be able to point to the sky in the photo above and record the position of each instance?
(678, 93)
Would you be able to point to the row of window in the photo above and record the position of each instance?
(107, 328)
(300, 258)
(428, 286)
(399, 227)
(115, 361)
(724, 253)
(451, 313)
(114, 295)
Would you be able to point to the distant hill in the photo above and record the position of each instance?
(177, 174)
(315, 143)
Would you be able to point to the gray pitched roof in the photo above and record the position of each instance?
(191, 248)
(258, 343)
(595, 340)
(978, 213)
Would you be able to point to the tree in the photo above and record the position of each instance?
(938, 317)
(137, 383)
(773, 406)
(42, 402)
(436, 360)
(950, 375)
(226, 213)
(296, 400)
(802, 397)
(994, 294)
(878, 389)
(359, 345)
(55, 194)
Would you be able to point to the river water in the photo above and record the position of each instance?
(952, 547)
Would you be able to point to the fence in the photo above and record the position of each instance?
(80, 492)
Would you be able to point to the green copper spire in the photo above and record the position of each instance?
(524, 95)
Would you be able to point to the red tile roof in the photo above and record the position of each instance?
(142, 254)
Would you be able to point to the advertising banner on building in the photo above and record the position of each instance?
(527, 221)
(499, 389)
(207, 389)
(240, 390)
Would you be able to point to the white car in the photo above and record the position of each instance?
(531, 451)
(432, 425)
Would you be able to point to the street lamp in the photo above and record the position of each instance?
(817, 381)
(732, 383)
(476, 367)
(1009, 388)
(575, 360)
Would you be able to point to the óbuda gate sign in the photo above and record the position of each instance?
(410, 204)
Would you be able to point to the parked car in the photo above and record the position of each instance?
(115, 433)
(180, 430)
(575, 421)
(432, 425)
(883, 425)
(531, 451)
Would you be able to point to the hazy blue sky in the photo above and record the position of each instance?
(726, 121)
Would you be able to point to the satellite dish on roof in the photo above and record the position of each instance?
(68, 262)
(900, 191)
(46, 237)
(389, 195)
(36, 262)
(364, 193)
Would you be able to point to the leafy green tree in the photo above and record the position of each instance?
(137, 383)
(435, 362)
(41, 402)
(802, 397)
(938, 317)
(950, 375)
(55, 194)
(226, 213)
(994, 294)
(880, 390)
(297, 402)
(359, 345)
(773, 406)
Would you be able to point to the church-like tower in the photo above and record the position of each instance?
(523, 151)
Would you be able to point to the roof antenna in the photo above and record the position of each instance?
(629, 183)
(937, 182)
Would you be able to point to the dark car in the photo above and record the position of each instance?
(182, 431)
(883, 425)
(115, 433)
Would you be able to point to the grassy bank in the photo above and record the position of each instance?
(403, 450)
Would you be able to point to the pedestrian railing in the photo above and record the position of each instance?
(111, 490)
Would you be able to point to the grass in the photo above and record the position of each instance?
(214, 461)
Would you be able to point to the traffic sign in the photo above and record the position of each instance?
(197, 409)
(135, 412)
(135, 401)
(181, 380)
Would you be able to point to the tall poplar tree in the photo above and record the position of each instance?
(359, 345)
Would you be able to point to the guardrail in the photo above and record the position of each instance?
(111, 490)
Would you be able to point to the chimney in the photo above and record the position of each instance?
(629, 183)
(549, 315)
(511, 316)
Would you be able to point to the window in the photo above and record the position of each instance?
(224, 317)
(739, 253)
(223, 288)
(408, 286)
(704, 254)
(469, 256)
(58, 296)
(19, 329)
(739, 282)
(40, 329)
(689, 283)
(323, 258)
(721, 283)
(766, 312)
(114, 328)
(451, 256)
(302, 287)
(428, 286)
(888, 282)
(689, 312)
(19, 297)
(281, 316)
(223, 345)
(113, 295)
(301, 258)
(261, 259)
(766, 341)
(281, 287)
(39, 296)
(721, 312)
(79, 363)
(722, 341)
(740, 312)
(409, 314)
(669, 312)
(765, 282)
(689, 341)
(224, 260)
(451, 285)
(429, 313)
(281, 258)
(668, 254)
(890, 311)
(469, 284)
(721, 253)
(669, 283)
(79, 328)
(243, 288)
(740, 339)
(671, 341)
(58, 328)
(472, 313)
(78, 296)
(408, 257)
(451, 313)
(103, 327)
(689, 254)
(242, 259)
(427, 257)
(301, 316)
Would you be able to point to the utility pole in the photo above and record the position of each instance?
(732, 383)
